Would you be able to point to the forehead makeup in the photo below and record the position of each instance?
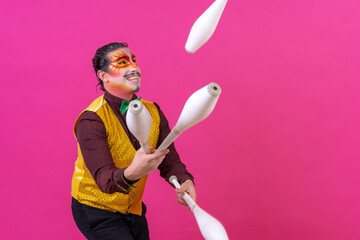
(119, 55)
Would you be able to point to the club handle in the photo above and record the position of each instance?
(145, 147)
(190, 202)
(168, 140)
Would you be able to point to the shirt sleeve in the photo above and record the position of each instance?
(92, 138)
(171, 164)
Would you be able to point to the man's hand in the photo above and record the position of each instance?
(189, 187)
(143, 164)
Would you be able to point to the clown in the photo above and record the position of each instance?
(111, 169)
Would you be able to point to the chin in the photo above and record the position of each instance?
(137, 89)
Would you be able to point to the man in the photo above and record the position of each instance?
(110, 175)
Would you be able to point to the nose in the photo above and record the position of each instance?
(133, 65)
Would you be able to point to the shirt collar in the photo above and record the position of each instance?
(111, 98)
(115, 102)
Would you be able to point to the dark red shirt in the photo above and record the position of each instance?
(92, 138)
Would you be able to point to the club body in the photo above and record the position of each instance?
(138, 120)
(210, 227)
(198, 107)
(204, 26)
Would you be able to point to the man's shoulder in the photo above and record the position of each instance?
(89, 115)
(96, 104)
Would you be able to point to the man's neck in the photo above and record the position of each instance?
(120, 93)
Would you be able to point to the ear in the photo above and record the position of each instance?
(104, 76)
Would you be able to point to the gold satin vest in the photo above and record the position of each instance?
(84, 187)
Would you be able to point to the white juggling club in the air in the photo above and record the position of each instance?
(138, 120)
(210, 227)
(205, 26)
(199, 105)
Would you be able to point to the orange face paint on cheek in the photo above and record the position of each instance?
(115, 71)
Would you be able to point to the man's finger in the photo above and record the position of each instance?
(160, 154)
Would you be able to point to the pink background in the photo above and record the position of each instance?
(277, 159)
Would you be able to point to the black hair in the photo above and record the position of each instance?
(101, 60)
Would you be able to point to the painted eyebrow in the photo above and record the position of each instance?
(132, 54)
(118, 56)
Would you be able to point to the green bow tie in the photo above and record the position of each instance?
(125, 105)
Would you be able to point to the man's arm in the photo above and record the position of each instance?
(91, 136)
(172, 164)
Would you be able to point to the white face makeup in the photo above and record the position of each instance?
(123, 71)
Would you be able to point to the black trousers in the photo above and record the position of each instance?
(98, 224)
